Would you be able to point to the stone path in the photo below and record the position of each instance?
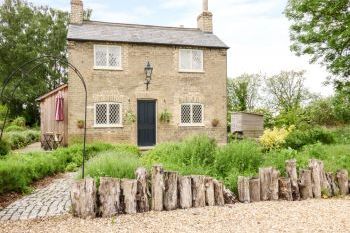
(52, 200)
(35, 147)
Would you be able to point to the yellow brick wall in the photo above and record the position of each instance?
(168, 87)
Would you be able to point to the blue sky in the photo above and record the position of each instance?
(256, 30)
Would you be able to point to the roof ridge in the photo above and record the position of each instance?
(139, 25)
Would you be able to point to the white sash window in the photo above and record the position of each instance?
(191, 60)
(107, 57)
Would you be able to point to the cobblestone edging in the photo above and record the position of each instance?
(52, 200)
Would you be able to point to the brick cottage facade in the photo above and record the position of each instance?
(188, 81)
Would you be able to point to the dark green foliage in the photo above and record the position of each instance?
(18, 171)
(299, 138)
(19, 121)
(4, 147)
(13, 128)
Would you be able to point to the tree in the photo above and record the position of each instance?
(27, 32)
(320, 28)
(287, 90)
(243, 92)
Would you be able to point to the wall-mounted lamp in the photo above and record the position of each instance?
(148, 72)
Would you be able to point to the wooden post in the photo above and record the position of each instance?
(218, 193)
(325, 186)
(229, 196)
(254, 189)
(285, 189)
(243, 189)
(185, 192)
(142, 190)
(291, 169)
(305, 184)
(268, 183)
(198, 191)
(209, 192)
(129, 190)
(343, 182)
(170, 192)
(315, 177)
(333, 184)
(83, 198)
(157, 187)
(109, 196)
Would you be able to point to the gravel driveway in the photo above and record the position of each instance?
(306, 216)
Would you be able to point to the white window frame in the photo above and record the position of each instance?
(108, 107)
(201, 70)
(108, 67)
(191, 124)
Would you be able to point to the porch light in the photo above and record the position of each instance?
(148, 72)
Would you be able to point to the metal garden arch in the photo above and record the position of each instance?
(42, 60)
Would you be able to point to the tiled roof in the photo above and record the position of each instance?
(133, 33)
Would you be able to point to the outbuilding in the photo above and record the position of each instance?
(247, 124)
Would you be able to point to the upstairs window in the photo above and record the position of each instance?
(191, 60)
(192, 115)
(108, 115)
(107, 57)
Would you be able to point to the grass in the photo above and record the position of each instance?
(18, 171)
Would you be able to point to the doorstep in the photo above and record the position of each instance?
(145, 148)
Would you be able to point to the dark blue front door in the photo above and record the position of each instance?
(146, 122)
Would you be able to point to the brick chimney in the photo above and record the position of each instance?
(205, 20)
(77, 12)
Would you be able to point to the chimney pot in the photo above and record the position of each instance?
(205, 6)
(205, 20)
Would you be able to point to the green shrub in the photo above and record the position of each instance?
(299, 138)
(4, 147)
(13, 128)
(19, 121)
(112, 164)
(19, 140)
(341, 135)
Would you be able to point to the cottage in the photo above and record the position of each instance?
(182, 96)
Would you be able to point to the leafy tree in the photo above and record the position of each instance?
(320, 28)
(341, 102)
(287, 90)
(27, 32)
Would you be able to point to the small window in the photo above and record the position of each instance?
(108, 115)
(192, 114)
(107, 57)
(191, 60)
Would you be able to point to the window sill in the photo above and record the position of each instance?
(107, 126)
(192, 125)
(192, 71)
(108, 68)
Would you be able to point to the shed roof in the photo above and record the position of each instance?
(52, 92)
(145, 34)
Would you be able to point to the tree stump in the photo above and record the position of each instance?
(109, 197)
(185, 192)
(209, 192)
(157, 187)
(268, 184)
(254, 189)
(198, 191)
(343, 182)
(291, 169)
(229, 196)
(315, 177)
(142, 204)
(170, 192)
(333, 184)
(285, 189)
(219, 193)
(243, 189)
(305, 184)
(83, 198)
(325, 186)
(129, 190)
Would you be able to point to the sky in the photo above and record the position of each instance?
(256, 31)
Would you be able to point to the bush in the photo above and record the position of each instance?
(18, 171)
(275, 138)
(19, 140)
(112, 164)
(14, 128)
(4, 147)
(19, 121)
(299, 138)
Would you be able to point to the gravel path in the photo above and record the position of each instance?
(306, 216)
(49, 201)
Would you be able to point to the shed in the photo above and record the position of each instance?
(48, 123)
(247, 124)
